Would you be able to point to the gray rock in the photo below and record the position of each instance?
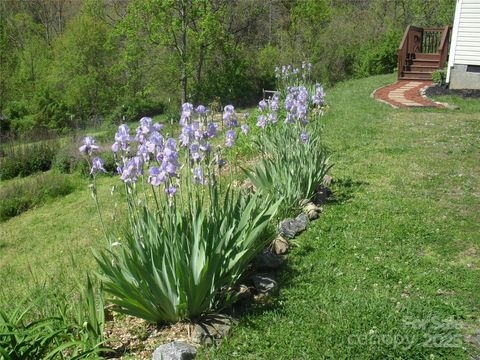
(267, 260)
(265, 284)
(327, 180)
(288, 228)
(177, 350)
(321, 196)
(212, 329)
(280, 246)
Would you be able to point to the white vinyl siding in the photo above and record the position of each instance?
(467, 44)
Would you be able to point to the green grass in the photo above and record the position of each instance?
(399, 243)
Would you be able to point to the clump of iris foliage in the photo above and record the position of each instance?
(293, 162)
(72, 330)
(188, 238)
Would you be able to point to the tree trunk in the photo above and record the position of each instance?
(183, 75)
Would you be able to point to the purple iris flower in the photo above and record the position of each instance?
(132, 169)
(229, 109)
(304, 137)
(230, 138)
(171, 191)
(274, 106)
(97, 165)
(187, 110)
(261, 121)
(205, 146)
(146, 125)
(195, 152)
(262, 105)
(201, 110)
(88, 146)
(123, 134)
(115, 147)
(186, 135)
(156, 176)
(272, 117)
(211, 130)
(198, 175)
(244, 128)
(157, 126)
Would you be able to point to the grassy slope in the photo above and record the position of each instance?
(401, 242)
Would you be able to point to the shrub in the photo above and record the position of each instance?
(22, 195)
(25, 159)
(439, 77)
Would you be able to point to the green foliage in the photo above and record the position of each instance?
(378, 57)
(289, 169)
(439, 77)
(73, 331)
(23, 194)
(28, 340)
(26, 159)
(172, 264)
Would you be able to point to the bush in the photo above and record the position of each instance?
(135, 109)
(439, 77)
(378, 57)
(25, 159)
(22, 195)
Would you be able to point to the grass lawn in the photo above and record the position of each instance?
(391, 269)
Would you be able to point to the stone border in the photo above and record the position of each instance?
(212, 328)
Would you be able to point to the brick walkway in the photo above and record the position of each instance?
(405, 93)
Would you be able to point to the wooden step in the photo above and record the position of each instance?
(420, 56)
(416, 75)
(422, 68)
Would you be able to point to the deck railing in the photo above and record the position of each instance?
(418, 40)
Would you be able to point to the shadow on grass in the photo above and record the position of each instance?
(344, 190)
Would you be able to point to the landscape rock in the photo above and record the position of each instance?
(243, 294)
(265, 284)
(177, 350)
(280, 246)
(212, 329)
(267, 260)
(327, 181)
(288, 228)
(312, 211)
(313, 215)
(321, 195)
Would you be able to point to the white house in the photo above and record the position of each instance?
(464, 60)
